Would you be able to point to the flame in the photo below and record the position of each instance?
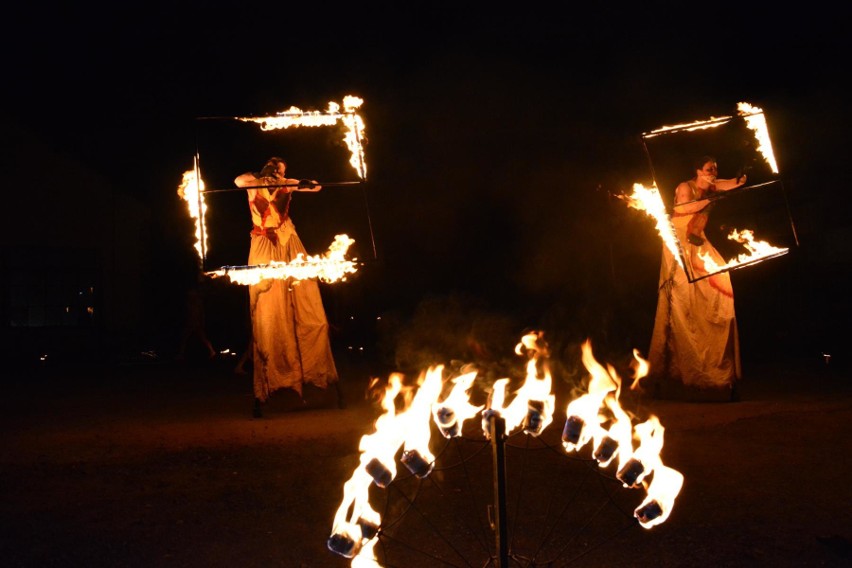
(640, 369)
(377, 465)
(533, 402)
(619, 434)
(331, 266)
(650, 435)
(712, 122)
(649, 201)
(406, 419)
(191, 190)
(584, 410)
(756, 251)
(662, 491)
(364, 561)
(354, 123)
(417, 425)
(451, 414)
(756, 120)
(377, 449)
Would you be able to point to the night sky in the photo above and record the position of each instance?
(496, 139)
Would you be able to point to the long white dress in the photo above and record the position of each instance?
(694, 352)
(289, 326)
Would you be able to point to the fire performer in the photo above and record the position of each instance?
(695, 346)
(290, 334)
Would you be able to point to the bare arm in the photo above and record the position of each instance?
(683, 195)
(246, 179)
(728, 184)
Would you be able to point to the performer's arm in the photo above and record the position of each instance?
(683, 195)
(728, 184)
(246, 179)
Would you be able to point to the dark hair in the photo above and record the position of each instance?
(270, 168)
(275, 160)
(699, 163)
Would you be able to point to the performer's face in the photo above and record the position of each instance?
(280, 169)
(708, 172)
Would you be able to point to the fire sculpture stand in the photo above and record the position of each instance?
(497, 431)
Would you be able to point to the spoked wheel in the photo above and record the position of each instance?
(558, 508)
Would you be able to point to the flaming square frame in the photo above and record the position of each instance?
(235, 143)
(741, 145)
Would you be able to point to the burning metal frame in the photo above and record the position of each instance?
(747, 141)
(329, 266)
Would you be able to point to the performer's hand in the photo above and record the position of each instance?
(742, 179)
(307, 184)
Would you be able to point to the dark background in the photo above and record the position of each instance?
(497, 139)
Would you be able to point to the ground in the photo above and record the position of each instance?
(161, 464)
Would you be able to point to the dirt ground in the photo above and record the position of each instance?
(161, 464)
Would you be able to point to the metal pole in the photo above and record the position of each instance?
(497, 430)
(200, 204)
(298, 185)
(691, 126)
(789, 214)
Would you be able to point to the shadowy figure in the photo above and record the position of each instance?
(194, 324)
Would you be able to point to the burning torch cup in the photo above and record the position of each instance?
(535, 417)
(343, 544)
(630, 472)
(605, 450)
(487, 416)
(416, 464)
(648, 512)
(381, 475)
(572, 430)
(447, 422)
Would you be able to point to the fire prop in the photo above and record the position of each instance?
(404, 430)
(757, 251)
(331, 266)
(648, 201)
(354, 123)
(753, 117)
(191, 190)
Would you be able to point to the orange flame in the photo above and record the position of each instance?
(416, 419)
(533, 402)
(191, 190)
(662, 491)
(451, 414)
(649, 201)
(756, 251)
(585, 409)
(409, 422)
(755, 120)
(331, 266)
(354, 123)
(650, 435)
(640, 369)
(712, 122)
(377, 450)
